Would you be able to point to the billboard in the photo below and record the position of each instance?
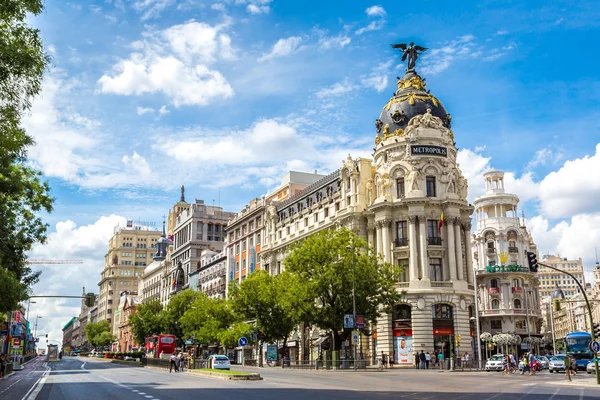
(403, 347)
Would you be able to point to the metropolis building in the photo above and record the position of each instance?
(396, 201)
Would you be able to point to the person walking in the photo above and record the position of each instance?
(181, 361)
(531, 363)
(568, 367)
(422, 359)
(383, 360)
(391, 360)
(440, 358)
(525, 362)
(2, 365)
(173, 363)
(427, 359)
(417, 360)
(513, 363)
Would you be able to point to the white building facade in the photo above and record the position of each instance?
(508, 292)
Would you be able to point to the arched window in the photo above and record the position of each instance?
(494, 283)
(495, 304)
(441, 311)
(516, 283)
(491, 245)
(517, 303)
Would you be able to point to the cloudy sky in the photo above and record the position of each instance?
(225, 97)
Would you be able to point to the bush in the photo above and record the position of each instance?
(84, 354)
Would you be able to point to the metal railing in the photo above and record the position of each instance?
(324, 364)
(436, 241)
(400, 242)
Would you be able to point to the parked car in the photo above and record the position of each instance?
(557, 363)
(219, 362)
(591, 367)
(544, 361)
(495, 363)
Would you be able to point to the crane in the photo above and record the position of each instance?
(54, 261)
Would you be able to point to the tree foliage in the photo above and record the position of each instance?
(149, 319)
(276, 303)
(98, 333)
(175, 309)
(326, 263)
(23, 194)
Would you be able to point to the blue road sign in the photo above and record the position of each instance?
(242, 341)
(595, 346)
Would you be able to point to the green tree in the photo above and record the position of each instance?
(326, 263)
(105, 338)
(96, 333)
(277, 304)
(149, 319)
(23, 194)
(175, 309)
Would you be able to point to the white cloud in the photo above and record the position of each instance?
(151, 8)
(544, 156)
(111, 18)
(137, 164)
(283, 47)
(218, 7)
(438, 59)
(378, 82)
(337, 89)
(501, 32)
(145, 110)
(254, 9)
(375, 11)
(175, 62)
(163, 111)
(334, 41)
(573, 189)
(69, 242)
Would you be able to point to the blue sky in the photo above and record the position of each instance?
(225, 97)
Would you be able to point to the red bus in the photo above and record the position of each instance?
(160, 345)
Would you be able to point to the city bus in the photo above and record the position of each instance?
(160, 346)
(577, 344)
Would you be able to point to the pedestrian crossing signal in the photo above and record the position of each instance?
(90, 299)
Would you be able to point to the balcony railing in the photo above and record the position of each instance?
(513, 249)
(493, 290)
(491, 250)
(435, 241)
(401, 242)
(441, 284)
(517, 289)
(510, 311)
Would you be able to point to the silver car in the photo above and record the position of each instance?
(495, 363)
(591, 367)
(544, 361)
(557, 363)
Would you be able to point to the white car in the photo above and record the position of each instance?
(219, 362)
(495, 363)
(591, 367)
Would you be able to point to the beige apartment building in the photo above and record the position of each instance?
(130, 250)
(549, 279)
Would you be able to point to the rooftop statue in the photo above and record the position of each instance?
(410, 52)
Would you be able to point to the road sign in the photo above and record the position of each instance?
(595, 347)
(16, 342)
(243, 341)
(355, 337)
(360, 322)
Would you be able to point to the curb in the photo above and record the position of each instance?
(226, 377)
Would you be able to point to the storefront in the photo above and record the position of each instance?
(443, 328)
(402, 331)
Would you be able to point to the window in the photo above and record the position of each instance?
(516, 283)
(435, 269)
(258, 222)
(401, 233)
(491, 246)
(432, 228)
(337, 206)
(494, 283)
(496, 324)
(258, 239)
(251, 225)
(520, 324)
(403, 262)
(400, 188)
(325, 212)
(441, 311)
(216, 228)
(495, 304)
(316, 217)
(305, 222)
(430, 185)
(517, 303)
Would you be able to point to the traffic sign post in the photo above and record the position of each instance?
(595, 347)
(243, 341)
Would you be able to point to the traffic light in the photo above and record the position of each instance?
(457, 340)
(46, 336)
(90, 298)
(596, 330)
(532, 260)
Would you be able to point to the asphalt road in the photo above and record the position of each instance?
(81, 378)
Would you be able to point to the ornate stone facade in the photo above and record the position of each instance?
(396, 201)
(503, 277)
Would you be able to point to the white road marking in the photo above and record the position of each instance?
(581, 393)
(37, 387)
(83, 365)
(555, 393)
(128, 388)
(528, 393)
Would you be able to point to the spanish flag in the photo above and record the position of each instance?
(441, 223)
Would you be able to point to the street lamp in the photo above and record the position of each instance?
(557, 294)
(478, 339)
(35, 329)
(28, 304)
(353, 301)
(527, 291)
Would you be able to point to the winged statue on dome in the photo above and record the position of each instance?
(410, 52)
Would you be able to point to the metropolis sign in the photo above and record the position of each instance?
(428, 151)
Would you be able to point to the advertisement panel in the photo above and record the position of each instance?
(271, 353)
(403, 349)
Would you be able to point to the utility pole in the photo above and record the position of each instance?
(478, 338)
(353, 302)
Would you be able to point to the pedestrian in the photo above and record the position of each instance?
(2, 365)
(440, 358)
(181, 361)
(568, 367)
(525, 362)
(383, 360)
(391, 360)
(513, 363)
(573, 364)
(417, 360)
(433, 358)
(531, 363)
(422, 359)
(173, 363)
(427, 359)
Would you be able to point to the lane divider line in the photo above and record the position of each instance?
(39, 384)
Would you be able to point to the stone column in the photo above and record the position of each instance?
(458, 242)
(423, 245)
(467, 230)
(370, 233)
(385, 237)
(378, 238)
(412, 244)
(451, 249)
